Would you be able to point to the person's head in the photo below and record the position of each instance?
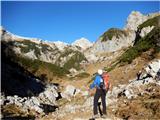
(100, 71)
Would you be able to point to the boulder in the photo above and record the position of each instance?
(128, 94)
(49, 95)
(70, 91)
(34, 104)
(153, 68)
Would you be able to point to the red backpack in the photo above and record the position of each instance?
(105, 78)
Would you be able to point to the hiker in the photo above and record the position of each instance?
(100, 92)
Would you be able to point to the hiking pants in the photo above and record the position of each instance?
(99, 93)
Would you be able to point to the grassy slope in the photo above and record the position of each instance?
(43, 70)
(112, 32)
(144, 44)
(38, 68)
(150, 22)
(74, 61)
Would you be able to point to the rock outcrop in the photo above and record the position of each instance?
(146, 30)
(137, 86)
(47, 97)
(116, 39)
(114, 44)
(134, 20)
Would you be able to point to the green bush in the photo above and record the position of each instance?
(129, 55)
(35, 65)
(112, 32)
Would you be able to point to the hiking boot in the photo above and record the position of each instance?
(95, 116)
(104, 116)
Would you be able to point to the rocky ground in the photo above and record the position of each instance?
(135, 99)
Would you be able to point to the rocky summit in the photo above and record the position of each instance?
(47, 80)
(83, 43)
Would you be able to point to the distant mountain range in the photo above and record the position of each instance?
(53, 52)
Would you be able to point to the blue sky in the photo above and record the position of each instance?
(68, 21)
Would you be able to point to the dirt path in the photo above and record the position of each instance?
(86, 115)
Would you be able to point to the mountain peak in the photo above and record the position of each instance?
(83, 43)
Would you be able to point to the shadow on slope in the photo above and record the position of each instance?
(15, 79)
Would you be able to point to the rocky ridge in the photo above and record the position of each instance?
(53, 52)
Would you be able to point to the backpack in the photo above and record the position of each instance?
(105, 82)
